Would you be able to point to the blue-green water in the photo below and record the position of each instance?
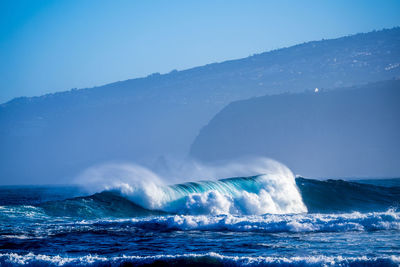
(215, 223)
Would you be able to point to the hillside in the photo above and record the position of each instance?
(348, 132)
(54, 137)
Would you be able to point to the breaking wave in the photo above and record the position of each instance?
(255, 195)
(389, 220)
(207, 259)
(262, 194)
(133, 191)
(269, 223)
(274, 191)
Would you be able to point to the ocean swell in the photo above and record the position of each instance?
(274, 191)
(389, 220)
(133, 191)
(255, 195)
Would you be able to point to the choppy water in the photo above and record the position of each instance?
(233, 222)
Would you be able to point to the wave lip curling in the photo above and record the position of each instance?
(274, 191)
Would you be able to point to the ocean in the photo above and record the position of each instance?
(260, 220)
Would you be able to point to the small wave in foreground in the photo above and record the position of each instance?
(208, 259)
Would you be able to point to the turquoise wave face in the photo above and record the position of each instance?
(277, 194)
(230, 186)
(236, 196)
(240, 196)
(110, 229)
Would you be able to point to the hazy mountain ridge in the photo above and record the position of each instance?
(377, 50)
(58, 135)
(334, 133)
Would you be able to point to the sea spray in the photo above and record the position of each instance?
(273, 190)
(107, 229)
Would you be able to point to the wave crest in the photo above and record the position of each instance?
(274, 191)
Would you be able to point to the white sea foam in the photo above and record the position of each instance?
(27, 212)
(274, 190)
(271, 223)
(94, 260)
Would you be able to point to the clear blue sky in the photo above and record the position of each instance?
(49, 46)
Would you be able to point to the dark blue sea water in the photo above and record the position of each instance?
(253, 221)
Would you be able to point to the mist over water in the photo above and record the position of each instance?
(251, 212)
(263, 186)
(176, 169)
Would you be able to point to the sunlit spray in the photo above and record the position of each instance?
(262, 186)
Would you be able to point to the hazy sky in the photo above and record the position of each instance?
(48, 46)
